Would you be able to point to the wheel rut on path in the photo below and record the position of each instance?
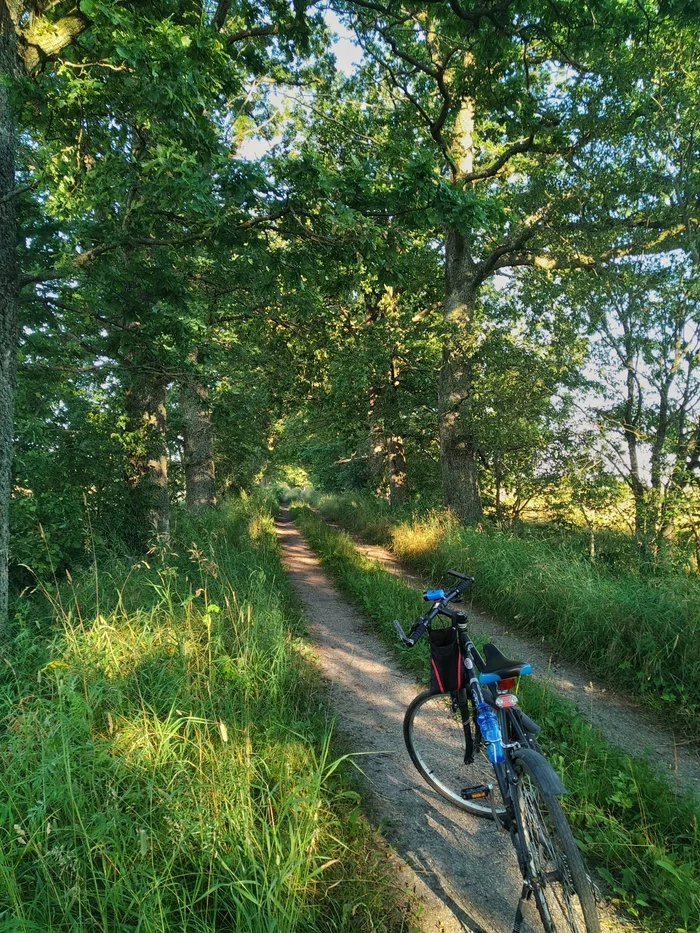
(621, 721)
(462, 867)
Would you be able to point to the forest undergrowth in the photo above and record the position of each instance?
(636, 633)
(166, 762)
(641, 836)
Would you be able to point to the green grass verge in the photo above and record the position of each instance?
(165, 759)
(643, 839)
(637, 634)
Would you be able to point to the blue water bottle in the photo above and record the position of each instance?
(490, 732)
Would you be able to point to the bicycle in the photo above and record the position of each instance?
(458, 753)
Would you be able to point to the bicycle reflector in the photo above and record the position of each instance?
(503, 686)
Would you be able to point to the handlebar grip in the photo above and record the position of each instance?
(460, 576)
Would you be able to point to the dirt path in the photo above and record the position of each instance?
(622, 722)
(462, 867)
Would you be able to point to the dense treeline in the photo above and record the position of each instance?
(463, 271)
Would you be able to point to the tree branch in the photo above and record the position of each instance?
(17, 191)
(405, 56)
(42, 39)
(221, 13)
(587, 261)
(523, 146)
(497, 258)
(254, 33)
(129, 243)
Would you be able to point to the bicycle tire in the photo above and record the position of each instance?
(434, 738)
(561, 886)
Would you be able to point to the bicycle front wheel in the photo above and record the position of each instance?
(555, 869)
(435, 740)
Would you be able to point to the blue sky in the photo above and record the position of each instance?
(347, 52)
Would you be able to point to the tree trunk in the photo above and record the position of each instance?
(9, 292)
(145, 404)
(460, 471)
(200, 482)
(641, 517)
(398, 478)
(498, 476)
(377, 447)
(458, 451)
(631, 432)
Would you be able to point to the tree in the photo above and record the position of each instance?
(502, 105)
(370, 276)
(645, 320)
(126, 108)
(530, 355)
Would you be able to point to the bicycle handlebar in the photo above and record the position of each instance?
(420, 626)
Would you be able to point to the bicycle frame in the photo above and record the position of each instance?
(474, 663)
(550, 863)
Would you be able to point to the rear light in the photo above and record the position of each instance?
(505, 685)
(506, 700)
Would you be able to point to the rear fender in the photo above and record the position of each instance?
(541, 769)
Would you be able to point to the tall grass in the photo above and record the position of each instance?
(643, 838)
(362, 514)
(165, 762)
(637, 634)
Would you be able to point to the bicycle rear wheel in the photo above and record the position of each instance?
(435, 741)
(562, 888)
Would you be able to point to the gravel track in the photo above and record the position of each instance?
(461, 867)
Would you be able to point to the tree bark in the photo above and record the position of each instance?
(377, 448)
(398, 478)
(47, 41)
(42, 39)
(458, 450)
(200, 479)
(498, 477)
(9, 292)
(145, 405)
(630, 427)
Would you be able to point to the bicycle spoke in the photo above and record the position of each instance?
(435, 740)
(562, 890)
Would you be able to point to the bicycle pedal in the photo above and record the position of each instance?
(476, 793)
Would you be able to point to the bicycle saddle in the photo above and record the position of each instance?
(498, 667)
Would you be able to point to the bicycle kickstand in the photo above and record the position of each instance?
(525, 895)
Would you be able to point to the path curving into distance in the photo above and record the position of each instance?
(462, 867)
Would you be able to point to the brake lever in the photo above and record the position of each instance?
(402, 635)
